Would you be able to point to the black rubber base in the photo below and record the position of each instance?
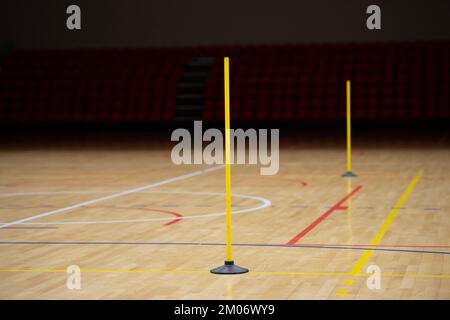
(349, 174)
(229, 268)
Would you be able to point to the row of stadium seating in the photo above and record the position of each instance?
(398, 81)
(89, 85)
(390, 81)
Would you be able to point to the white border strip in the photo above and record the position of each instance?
(112, 196)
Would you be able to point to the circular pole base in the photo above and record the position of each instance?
(229, 268)
(349, 174)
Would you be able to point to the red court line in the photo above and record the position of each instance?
(335, 207)
(371, 245)
(302, 182)
(31, 228)
(176, 214)
(27, 207)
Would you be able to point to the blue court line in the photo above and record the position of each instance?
(218, 244)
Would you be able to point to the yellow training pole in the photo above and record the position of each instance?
(227, 155)
(229, 267)
(349, 132)
(349, 172)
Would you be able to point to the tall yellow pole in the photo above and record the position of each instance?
(349, 172)
(349, 139)
(229, 267)
(227, 155)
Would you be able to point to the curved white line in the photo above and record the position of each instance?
(111, 196)
(265, 203)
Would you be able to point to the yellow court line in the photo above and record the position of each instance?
(342, 293)
(435, 276)
(281, 273)
(299, 273)
(33, 270)
(358, 267)
(348, 281)
(107, 271)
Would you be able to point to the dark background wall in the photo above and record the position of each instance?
(113, 23)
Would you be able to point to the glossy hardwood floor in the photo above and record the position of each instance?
(305, 233)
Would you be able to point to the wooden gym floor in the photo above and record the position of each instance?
(305, 233)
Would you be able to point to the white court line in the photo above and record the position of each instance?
(112, 196)
(264, 204)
